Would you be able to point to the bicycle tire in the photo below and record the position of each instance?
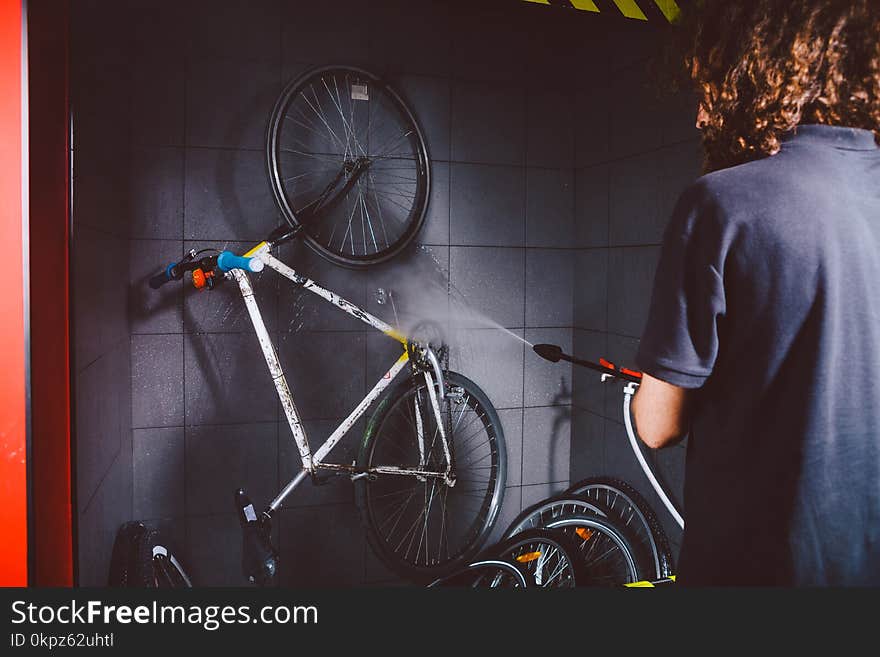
(487, 573)
(307, 160)
(634, 511)
(534, 549)
(537, 515)
(142, 558)
(463, 527)
(608, 554)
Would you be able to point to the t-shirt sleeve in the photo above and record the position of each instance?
(679, 344)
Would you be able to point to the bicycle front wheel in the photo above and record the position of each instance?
(347, 162)
(427, 527)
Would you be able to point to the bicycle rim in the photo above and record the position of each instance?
(347, 161)
(550, 559)
(629, 508)
(606, 553)
(538, 515)
(421, 527)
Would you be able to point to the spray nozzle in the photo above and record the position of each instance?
(550, 352)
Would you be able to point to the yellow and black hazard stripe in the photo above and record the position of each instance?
(641, 10)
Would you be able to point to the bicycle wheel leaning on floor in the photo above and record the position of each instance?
(630, 509)
(550, 558)
(606, 552)
(142, 558)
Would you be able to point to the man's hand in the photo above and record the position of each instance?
(661, 412)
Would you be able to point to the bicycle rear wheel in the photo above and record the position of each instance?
(347, 162)
(422, 527)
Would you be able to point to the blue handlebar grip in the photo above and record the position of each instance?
(228, 260)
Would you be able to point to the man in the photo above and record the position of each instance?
(763, 337)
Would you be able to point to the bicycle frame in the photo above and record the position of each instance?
(312, 462)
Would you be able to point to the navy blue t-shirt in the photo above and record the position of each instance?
(767, 300)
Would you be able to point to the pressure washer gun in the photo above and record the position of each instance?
(609, 370)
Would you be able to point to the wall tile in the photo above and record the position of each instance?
(591, 289)
(682, 165)
(314, 32)
(593, 116)
(587, 445)
(512, 423)
(322, 547)
(629, 289)
(222, 459)
(228, 102)
(100, 519)
(549, 287)
(635, 201)
(550, 129)
(539, 492)
(248, 31)
(475, 107)
(154, 311)
(157, 380)
(227, 196)
(550, 207)
(156, 193)
(511, 506)
(429, 100)
(489, 285)
(493, 360)
(159, 456)
(591, 205)
(488, 42)
(325, 371)
(395, 43)
(102, 420)
(227, 380)
(546, 444)
(487, 205)
(636, 125)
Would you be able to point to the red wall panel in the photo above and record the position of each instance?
(13, 418)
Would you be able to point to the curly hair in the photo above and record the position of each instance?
(761, 67)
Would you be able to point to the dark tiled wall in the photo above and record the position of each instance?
(637, 150)
(498, 106)
(522, 225)
(99, 256)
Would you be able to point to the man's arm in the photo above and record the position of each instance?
(662, 412)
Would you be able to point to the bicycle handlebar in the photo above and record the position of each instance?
(554, 354)
(225, 261)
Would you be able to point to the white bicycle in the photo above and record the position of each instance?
(430, 473)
